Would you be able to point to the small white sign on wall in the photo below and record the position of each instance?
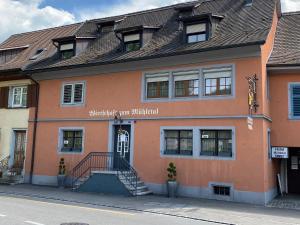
(280, 153)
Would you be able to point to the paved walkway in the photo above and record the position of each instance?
(205, 210)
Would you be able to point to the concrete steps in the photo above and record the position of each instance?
(142, 189)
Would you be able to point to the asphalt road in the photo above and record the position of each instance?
(19, 211)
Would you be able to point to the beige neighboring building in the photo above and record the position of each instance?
(14, 116)
(19, 96)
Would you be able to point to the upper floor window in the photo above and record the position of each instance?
(158, 87)
(67, 50)
(218, 81)
(19, 97)
(295, 101)
(73, 93)
(132, 42)
(186, 83)
(216, 143)
(196, 32)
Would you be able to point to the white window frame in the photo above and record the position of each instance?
(61, 140)
(172, 74)
(21, 105)
(72, 103)
(197, 142)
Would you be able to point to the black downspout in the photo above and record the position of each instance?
(34, 128)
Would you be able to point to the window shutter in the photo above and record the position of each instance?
(67, 98)
(78, 93)
(32, 95)
(296, 100)
(4, 93)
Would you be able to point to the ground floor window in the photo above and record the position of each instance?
(72, 141)
(178, 142)
(216, 143)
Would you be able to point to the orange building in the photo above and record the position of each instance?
(197, 84)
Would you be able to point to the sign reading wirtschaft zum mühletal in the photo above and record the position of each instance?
(280, 153)
(106, 113)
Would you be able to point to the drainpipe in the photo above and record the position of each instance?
(34, 128)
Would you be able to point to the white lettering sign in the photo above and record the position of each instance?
(280, 153)
(123, 113)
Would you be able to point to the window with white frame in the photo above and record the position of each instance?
(186, 83)
(218, 82)
(216, 143)
(196, 32)
(295, 101)
(19, 97)
(157, 86)
(72, 140)
(178, 142)
(73, 93)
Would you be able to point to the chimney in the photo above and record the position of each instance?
(248, 2)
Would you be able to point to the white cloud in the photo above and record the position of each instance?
(290, 5)
(126, 7)
(25, 15)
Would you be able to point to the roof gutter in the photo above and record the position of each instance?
(145, 58)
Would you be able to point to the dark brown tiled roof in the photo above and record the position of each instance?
(287, 42)
(240, 26)
(34, 40)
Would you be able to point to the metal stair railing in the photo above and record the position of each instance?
(106, 162)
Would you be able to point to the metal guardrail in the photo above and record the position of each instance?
(106, 162)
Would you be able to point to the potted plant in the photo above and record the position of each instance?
(61, 177)
(172, 184)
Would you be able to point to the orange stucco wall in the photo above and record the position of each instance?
(285, 132)
(271, 167)
(122, 91)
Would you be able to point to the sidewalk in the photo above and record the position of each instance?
(209, 210)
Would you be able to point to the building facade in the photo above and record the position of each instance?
(197, 84)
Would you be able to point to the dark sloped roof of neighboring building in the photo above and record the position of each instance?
(31, 42)
(286, 50)
(240, 26)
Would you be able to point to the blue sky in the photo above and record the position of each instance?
(76, 6)
(19, 16)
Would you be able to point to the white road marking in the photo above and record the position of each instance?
(34, 223)
(1, 215)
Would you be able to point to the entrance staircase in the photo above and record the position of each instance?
(9, 175)
(107, 173)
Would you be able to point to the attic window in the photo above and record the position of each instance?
(196, 32)
(67, 50)
(37, 53)
(132, 42)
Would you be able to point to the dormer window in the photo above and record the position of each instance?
(132, 42)
(67, 50)
(196, 32)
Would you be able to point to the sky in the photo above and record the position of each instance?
(19, 16)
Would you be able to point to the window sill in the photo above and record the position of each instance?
(212, 158)
(72, 105)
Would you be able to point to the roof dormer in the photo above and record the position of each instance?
(8, 54)
(134, 38)
(199, 28)
(66, 47)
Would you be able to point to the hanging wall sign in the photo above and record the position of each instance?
(280, 153)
